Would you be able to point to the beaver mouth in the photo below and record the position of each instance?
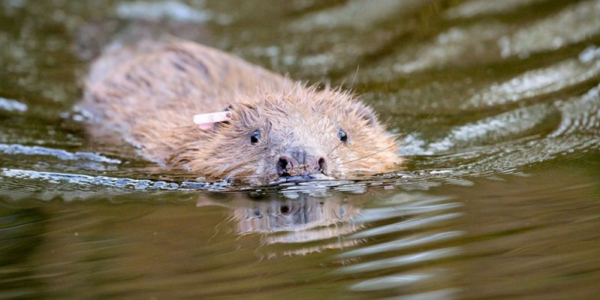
(290, 169)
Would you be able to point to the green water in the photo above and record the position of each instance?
(497, 104)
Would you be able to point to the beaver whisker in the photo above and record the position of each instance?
(333, 149)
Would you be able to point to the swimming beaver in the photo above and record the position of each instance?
(277, 128)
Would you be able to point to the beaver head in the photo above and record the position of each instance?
(292, 132)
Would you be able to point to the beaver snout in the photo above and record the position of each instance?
(298, 162)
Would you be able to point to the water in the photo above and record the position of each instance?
(498, 108)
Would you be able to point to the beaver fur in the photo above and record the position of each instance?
(150, 91)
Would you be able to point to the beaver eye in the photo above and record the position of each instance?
(255, 137)
(342, 136)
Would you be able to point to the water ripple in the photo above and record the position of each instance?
(87, 180)
(402, 243)
(357, 14)
(479, 8)
(423, 222)
(159, 10)
(56, 153)
(12, 105)
(539, 82)
(400, 261)
(574, 24)
(389, 282)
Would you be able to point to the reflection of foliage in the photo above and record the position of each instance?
(21, 233)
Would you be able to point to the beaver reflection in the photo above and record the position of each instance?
(293, 218)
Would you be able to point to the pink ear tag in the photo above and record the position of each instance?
(207, 121)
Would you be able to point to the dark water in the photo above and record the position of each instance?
(497, 103)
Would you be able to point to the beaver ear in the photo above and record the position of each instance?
(367, 114)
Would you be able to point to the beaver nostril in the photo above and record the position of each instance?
(322, 165)
(282, 166)
(289, 166)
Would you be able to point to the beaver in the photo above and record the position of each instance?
(277, 128)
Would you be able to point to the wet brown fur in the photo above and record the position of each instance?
(149, 92)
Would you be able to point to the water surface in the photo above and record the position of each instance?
(497, 104)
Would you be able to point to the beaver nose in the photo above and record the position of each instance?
(298, 162)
